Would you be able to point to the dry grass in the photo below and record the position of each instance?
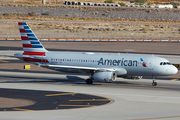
(54, 29)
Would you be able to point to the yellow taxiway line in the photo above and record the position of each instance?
(22, 109)
(92, 100)
(79, 105)
(60, 94)
(3, 61)
(174, 79)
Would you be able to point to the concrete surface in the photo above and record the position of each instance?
(133, 99)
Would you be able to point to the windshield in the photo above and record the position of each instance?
(165, 63)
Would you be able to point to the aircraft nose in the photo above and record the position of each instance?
(174, 70)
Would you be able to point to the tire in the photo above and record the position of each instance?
(89, 81)
(154, 83)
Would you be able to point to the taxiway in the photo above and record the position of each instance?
(132, 99)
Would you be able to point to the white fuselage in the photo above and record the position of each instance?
(141, 65)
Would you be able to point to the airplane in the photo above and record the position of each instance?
(100, 67)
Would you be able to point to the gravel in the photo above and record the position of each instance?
(133, 13)
(9, 28)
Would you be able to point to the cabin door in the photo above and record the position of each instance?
(150, 64)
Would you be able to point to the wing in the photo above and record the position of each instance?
(78, 67)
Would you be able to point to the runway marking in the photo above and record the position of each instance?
(174, 79)
(3, 61)
(22, 109)
(156, 118)
(78, 105)
(60, 94)
(127, 95)
(93, 100)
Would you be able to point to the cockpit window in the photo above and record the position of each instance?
(168, 63)
(165, 63)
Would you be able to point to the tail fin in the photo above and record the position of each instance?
(31, 44)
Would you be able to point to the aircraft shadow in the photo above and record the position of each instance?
(74, 80)
(70, 79)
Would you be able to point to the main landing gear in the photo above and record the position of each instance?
(89, 81)
(154, 83)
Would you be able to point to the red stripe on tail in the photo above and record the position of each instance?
(22, 30)
(36, 60)
(27, 45)
(35, 53)
(20, 23)
(24, 38)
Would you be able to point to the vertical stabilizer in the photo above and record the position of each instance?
(31, 44)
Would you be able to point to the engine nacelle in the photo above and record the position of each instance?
(132, 77)
(104, 76)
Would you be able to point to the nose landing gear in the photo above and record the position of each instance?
(154, 83)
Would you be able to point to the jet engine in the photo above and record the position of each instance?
(132, 77)
(104, 76)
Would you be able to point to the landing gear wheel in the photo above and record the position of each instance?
(89, 81)
(154, 83)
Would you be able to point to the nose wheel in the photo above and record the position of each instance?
(154, 83)
(89, 81)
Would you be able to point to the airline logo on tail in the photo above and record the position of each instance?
(30, 42)
(31, 45)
